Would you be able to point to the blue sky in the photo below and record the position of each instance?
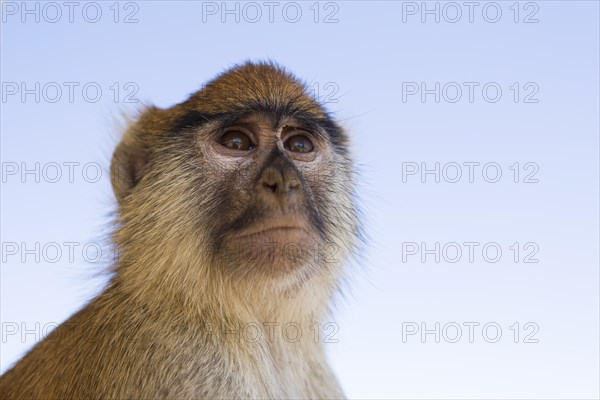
(436, 110)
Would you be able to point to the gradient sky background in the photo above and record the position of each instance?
(360, 65)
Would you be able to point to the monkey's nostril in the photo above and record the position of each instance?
(270, 186)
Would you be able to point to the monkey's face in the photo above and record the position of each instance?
(270, 177)
(253, 172)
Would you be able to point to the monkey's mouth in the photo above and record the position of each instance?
(279, 229)
(280, 243)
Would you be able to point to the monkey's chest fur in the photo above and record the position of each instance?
(103, 353)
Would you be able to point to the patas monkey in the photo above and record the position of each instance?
(236, 213)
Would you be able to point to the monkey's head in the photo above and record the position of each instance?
(249, 180)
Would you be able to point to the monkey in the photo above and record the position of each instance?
(236, 217)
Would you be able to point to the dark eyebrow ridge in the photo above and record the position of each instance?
(195, 119)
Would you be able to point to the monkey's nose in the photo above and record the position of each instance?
(279, 183)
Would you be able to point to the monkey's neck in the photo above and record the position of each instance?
(209, 297)
(281, 329)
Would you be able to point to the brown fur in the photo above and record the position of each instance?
(168, 324)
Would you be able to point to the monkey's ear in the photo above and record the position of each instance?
(128, 164)
(130, 161)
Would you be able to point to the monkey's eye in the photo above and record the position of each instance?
(236, 140)
(299, 144)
